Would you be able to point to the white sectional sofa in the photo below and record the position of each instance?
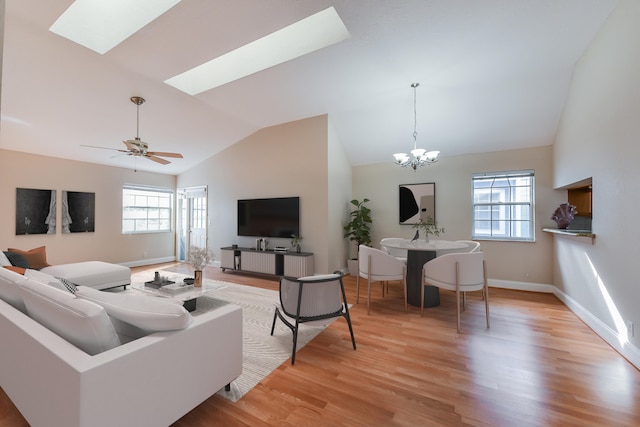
(149, 381)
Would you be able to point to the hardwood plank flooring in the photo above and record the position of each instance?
(538, 365)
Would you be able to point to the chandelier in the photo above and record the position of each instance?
(419, 156)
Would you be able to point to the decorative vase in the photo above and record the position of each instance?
(426, 238)
(197, 276)
(563, 215)
(298, 249)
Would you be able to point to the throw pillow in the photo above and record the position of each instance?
(149, 313)
(17, 260)
(4, 261)
(71, 287)
(15, 269)
(36, 257)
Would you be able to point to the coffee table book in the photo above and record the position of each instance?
(158, 285)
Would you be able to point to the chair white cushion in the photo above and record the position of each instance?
(10, 290)
(82, 323)
(146, 312)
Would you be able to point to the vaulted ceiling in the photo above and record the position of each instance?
(493, 74)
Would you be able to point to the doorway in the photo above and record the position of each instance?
(192, 220)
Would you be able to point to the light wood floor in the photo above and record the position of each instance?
(538, 365)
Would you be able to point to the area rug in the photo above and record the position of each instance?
(261, 352)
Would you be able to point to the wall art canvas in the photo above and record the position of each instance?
(417, 201)
(35, 211)
(78, 212)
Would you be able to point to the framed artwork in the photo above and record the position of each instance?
(417, 201)
(78, 212)
(35, 211)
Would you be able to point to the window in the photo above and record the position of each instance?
(146, 209)
(503, 206)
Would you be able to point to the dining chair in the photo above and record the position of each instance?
(311, 299)
(459, 272)
(378, 266)
(401, 254)
(472, 246)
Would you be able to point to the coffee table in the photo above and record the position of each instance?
(187, 296)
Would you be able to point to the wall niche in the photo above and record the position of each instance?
(579, 194)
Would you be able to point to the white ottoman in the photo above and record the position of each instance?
(95, 274)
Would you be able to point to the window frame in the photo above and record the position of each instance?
(160, 206)
(501, 210)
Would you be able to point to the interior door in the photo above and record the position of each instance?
(192, 219)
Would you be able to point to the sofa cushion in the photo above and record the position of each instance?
(146, 312)
(10, 290)
(4, 261)
(36, 257)
(17, 260)
(97, 274)
(83, 323)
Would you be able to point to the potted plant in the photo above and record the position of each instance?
(428, 227)
(199, 258)
(295, 242)
(358, 230)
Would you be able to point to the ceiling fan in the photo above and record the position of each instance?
(137, 147)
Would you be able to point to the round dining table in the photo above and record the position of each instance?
(418, 253)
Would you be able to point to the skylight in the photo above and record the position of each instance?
(308, 35)
(101, 25)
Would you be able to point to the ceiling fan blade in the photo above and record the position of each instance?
(158, 160)
(163, 154)
(103, 148)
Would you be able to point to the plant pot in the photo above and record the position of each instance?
(352, 264)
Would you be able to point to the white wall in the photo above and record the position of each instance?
(508, 261)
(599, 137)
(107, 243)
(290, 159)
(340, 182)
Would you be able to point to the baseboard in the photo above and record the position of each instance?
(148, 261)
(521, 286)
(610, 336)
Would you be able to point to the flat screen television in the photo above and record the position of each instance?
(275, 217)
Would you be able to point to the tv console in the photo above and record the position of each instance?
(293, 264)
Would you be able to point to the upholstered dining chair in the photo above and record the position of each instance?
(459, 272)
(472, 246)
(311, 299)
(378, 266)
(401, 254)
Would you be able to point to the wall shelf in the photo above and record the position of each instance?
(572, 233)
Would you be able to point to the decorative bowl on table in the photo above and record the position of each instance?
(189, 280)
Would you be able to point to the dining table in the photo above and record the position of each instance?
(418, 253)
